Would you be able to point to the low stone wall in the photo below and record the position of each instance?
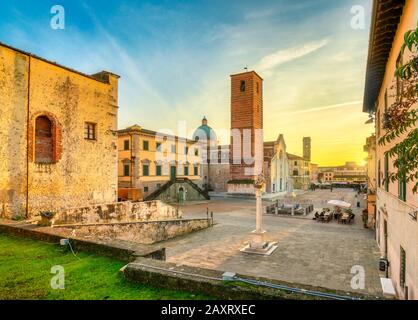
(121, 251)
(208, 281)
(118, 212)
(147, 232)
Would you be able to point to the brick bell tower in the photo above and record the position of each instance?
(246, 119)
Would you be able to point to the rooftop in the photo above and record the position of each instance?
(100, 76)
(386, 15)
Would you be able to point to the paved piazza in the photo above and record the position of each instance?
(319, 254)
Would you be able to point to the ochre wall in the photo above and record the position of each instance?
(85, 171)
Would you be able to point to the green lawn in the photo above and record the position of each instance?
(25, 273)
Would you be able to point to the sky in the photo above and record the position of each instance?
(175, 59)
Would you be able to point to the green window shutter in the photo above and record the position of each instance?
(402, 273)
(186, 171)
(145, 170)
(126, 170)
(386, 172)
(146, 145)
(158, 169)
(196, 171)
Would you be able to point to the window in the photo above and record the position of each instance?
(126, 145)
(402, 271)
(145, 170)
(186, 150)
(378, 123)
(146, 189)
(145, 145)
(242, 86)
(386, 172)
(196, 152)
(89, 131)
(126, 169)
(379, 180)
(44, 147)
(158, 185)
(158, 146)
(158, 170)
(173, 148)
(399, 82)
(196, 171)
(186, 170)
(258, 88)
(295, 172)
(402, 187)
(296, 163)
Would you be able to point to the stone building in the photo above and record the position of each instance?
(370, 148)
(348, 173)
(314, 172)
(276, 166)
(57, 135)
(299, 171)
(207, 138)
(148, 160)
(396, 204)
(233, 168)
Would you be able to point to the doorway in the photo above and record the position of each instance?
(173, 172)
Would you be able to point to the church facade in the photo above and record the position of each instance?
(233, 168)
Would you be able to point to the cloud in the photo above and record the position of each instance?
(282, 56)
(333, 106)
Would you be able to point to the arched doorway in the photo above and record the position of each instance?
(181, 195)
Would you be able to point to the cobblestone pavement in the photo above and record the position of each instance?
(318, 254)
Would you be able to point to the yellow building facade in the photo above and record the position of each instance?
(396, 203)
(149, 159)
(57, 135)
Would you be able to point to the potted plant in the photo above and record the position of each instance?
(46, 218)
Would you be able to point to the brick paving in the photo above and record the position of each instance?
(308, 252)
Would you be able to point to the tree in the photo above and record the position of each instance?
(401, 116)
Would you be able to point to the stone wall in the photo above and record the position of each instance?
(238, 188)
(79, 172)
(148, 232)
(174, 194)
(118, 212)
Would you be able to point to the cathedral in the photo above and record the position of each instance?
(233, 168)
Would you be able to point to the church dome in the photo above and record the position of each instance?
(205, 133)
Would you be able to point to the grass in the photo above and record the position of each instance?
(25, 274)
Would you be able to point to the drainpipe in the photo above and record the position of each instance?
(27, 138)
(132, 165)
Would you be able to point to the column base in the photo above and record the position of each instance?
(258, 245)
(264, 248)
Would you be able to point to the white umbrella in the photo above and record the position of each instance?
(340, 203)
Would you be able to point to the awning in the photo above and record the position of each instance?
(339, 203)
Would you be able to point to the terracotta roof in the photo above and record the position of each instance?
(100, 76)
(295, 157)
(134, 128)
(385, 19)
